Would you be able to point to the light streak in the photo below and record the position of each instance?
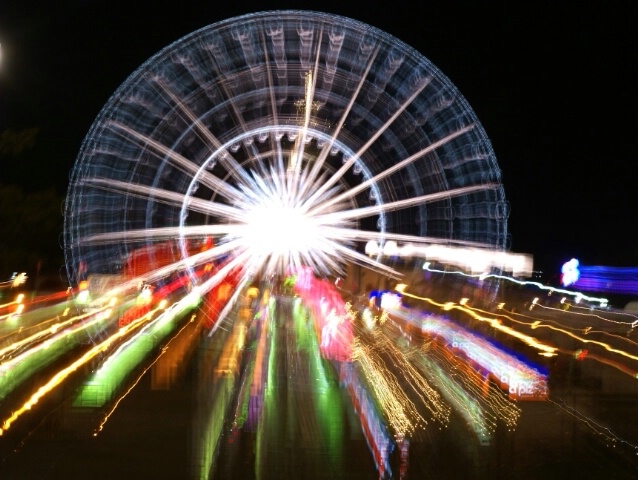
(537, 324)
(61, 375)
(606, 346)
(493, 322)
(430, 398)
(366, 184)
(401, 412)
(51, 330)
(622, 280)
(22, 365)
(8, 364)
(593, 425)
(374, 427)
(17, 301)
(468, 407)
(601, 301)
(136, 381)
(521, 381)
(143, 319)
(333, 317)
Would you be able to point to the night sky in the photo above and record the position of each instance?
(554, 85)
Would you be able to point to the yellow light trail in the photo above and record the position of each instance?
(130, 389)
(606, 346)
(617, 322)
(9, 363)
(53, 329)
(17, 301)
(395, 404)
(60, 376)
(44, 322)
(493, 322)
(565, 330)
(428, 395)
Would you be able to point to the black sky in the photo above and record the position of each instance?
(553, 83)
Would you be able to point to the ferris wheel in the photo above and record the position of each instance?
(284, 139)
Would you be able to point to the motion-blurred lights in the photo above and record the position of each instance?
(570, 272)
(83, 297)
(472, 259)
(368, 319)
(19, 279)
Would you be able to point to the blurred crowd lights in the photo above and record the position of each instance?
(16, 280)
(472, 259)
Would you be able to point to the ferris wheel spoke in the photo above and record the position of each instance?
(352, 234)
(400, 204)
(180, 161)
(163, 233)
(234, 168)
(389, 171)
(167, 197)
(348, 164)
(363, 260)
(337, 130)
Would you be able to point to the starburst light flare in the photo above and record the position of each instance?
(287, 139)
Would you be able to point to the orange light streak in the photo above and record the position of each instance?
(493, 322)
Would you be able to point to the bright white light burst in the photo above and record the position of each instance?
(280, 140)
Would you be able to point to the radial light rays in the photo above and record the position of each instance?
(275, 222)
(285, 147)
